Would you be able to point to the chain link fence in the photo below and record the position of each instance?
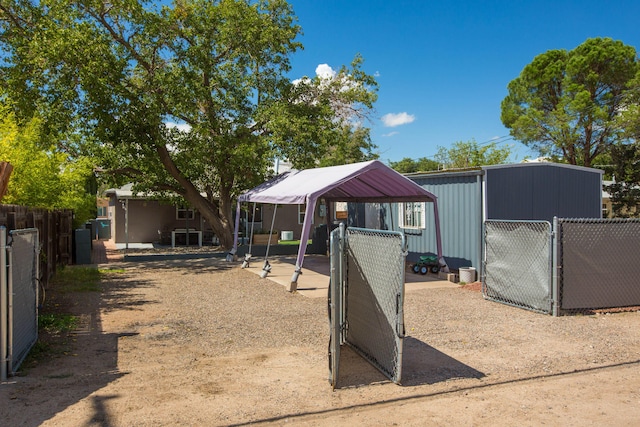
(372, 265)
(19, 299)
(576, 266)
(518, 264)
(600, 264)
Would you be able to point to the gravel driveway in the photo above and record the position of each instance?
(201, 342)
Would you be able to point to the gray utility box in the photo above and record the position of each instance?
(82, 239)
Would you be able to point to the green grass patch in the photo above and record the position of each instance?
(292, 242)
(57, 323)
(76, 279)
(111, 270)
(53, 340)
(39, 351)
(81, 279)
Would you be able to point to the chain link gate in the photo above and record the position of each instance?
(366, 298)
(19, 297)
(518, 264)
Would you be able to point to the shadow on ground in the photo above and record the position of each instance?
(421, 365)
(198, 265)
(75, 364)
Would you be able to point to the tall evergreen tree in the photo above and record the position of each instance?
(566, 103)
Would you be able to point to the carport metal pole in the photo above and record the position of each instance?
(304, 238)
(247, 256)
(266, 268)
(443, 264)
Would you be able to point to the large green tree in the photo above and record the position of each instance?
(625, 171)
(409, 165)
(567, 103)
(117, 73)
(471, 154)
(624, 160)
(43, 176)
(629, 116)
(461, 154)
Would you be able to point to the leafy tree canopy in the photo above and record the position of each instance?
(623, 165)
(43, 176)
(459, 155)
(408, 165)
(116, 74)
(629, 117)
(625, 171)
(568, 103)
(470, 154)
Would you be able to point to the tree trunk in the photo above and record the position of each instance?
(5, 173)
(219, 217)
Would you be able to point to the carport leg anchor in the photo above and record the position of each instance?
(265, 269)
(443, 265)
(247, 259)
(293, 286)
(231, 256)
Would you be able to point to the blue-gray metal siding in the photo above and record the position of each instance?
(513, 192)
(460, 210)
(540, 192)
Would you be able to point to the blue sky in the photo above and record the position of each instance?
(444, 65)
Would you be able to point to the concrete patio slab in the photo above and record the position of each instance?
(314, 280)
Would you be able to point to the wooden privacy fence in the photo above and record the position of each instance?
(55, 230)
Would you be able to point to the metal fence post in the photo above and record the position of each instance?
(3, 303)
(555, 291)
(9, 297)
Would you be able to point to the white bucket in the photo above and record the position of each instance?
(467, 274)
(286, 235)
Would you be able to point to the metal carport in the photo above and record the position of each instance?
(365, 182)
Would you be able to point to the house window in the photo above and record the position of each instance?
(102, 211)
(301, 214)
(412, 215)
(184, 213)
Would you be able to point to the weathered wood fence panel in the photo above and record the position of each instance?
(55, 234)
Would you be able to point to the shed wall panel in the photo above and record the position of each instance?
(542, 192)
(460, 211)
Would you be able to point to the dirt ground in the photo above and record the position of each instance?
(203, 342)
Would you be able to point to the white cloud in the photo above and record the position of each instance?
(183, 127)
(392, 120)
(390, 134)
(325, 71)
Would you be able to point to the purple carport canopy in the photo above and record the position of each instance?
(366, 182)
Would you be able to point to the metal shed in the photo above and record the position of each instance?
(524, 191)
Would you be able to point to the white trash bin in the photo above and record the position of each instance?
(467, 274)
